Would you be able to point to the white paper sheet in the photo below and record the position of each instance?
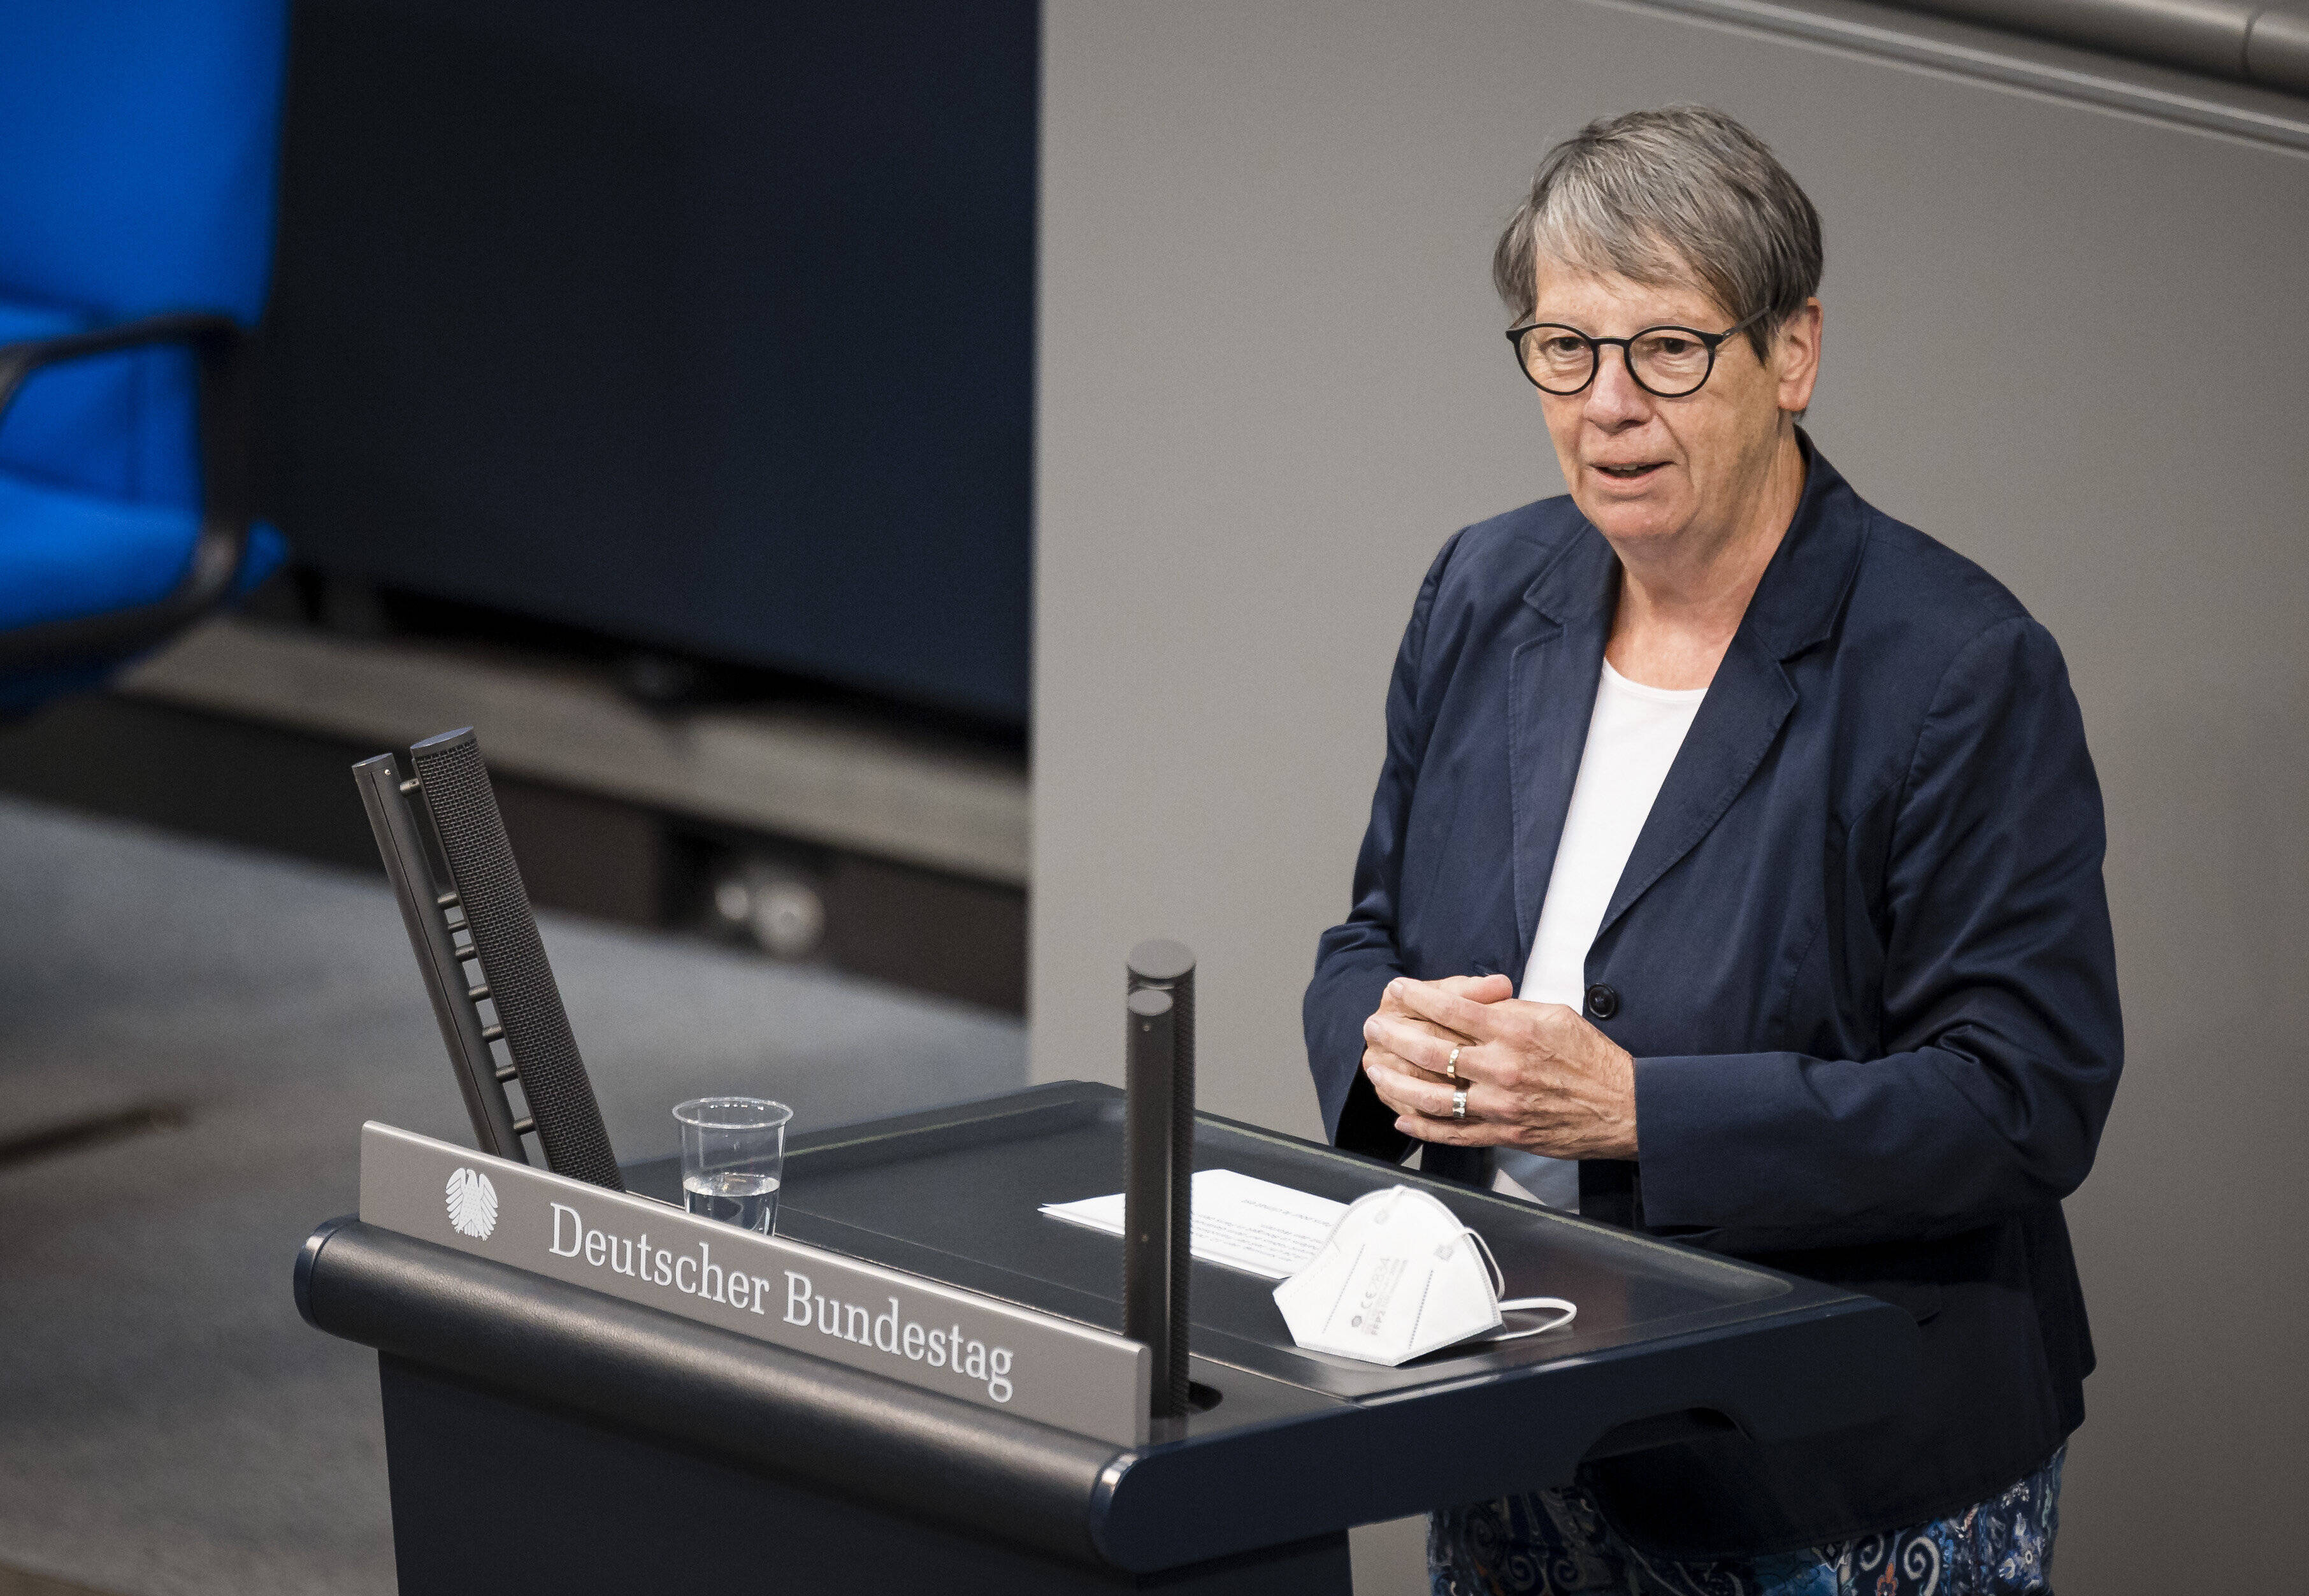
(1256, 1226)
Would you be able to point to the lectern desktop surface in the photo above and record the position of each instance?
(953, 1195)
(1670, 1342)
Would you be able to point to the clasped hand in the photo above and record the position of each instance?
(1537, 1075)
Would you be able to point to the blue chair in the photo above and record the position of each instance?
(138, 143)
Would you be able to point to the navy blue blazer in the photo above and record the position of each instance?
(1861, 953)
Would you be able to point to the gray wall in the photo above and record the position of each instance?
(2070, 343)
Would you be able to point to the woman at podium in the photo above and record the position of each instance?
(1734, 873)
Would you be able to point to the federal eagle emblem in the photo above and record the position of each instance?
(472, 1204)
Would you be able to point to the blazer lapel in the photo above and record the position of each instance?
(1745, 706)
(1551, 679)
(1794, 609)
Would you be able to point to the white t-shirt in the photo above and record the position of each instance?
(1632, 740)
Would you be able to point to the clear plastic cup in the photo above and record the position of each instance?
(733, 1154)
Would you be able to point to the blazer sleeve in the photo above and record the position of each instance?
(1355, 960)
(2000, 1020)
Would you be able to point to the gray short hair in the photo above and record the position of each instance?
(1668, 196)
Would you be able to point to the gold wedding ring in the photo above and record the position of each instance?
(1451, 1065)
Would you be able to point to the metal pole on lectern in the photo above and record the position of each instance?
(1159, 1133)
(1147, 1281)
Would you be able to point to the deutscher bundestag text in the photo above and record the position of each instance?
(696, 1275)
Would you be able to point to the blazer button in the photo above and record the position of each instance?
(1602, 1002)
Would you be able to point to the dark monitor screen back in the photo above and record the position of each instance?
(707, 323)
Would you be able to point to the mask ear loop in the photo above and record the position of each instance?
(1568, 1309)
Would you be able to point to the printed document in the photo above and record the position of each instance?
(1256, 1226)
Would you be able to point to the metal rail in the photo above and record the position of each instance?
(2267, 45)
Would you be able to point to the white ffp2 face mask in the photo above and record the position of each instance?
(1399, 1276)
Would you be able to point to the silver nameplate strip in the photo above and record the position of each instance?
(917, 1331)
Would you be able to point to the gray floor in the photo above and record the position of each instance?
(166, 1423)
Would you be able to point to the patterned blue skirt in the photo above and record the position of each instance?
(1554, 1541)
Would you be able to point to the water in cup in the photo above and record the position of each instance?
(733, 1157)
(735, 1197)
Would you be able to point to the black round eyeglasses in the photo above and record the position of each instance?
(1666, 362)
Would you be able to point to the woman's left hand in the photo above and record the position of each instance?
(1537, 1075)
